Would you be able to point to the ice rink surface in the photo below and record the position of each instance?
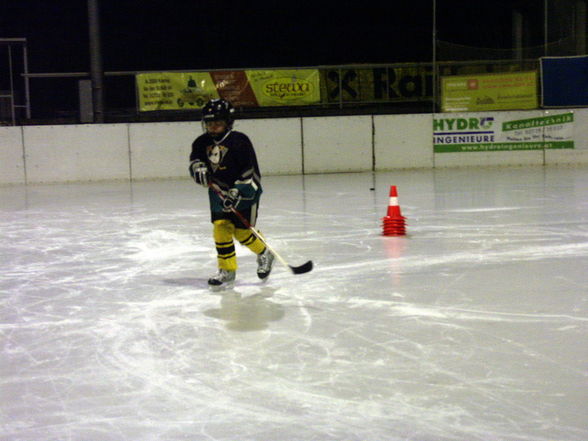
(472, 327)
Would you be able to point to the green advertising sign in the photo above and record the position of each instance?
(499, 132)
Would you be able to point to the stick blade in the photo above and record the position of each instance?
(304, 268)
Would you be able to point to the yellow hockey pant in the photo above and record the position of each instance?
(224, 231)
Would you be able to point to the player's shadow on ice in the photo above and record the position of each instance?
(251, 313)
(187, 281)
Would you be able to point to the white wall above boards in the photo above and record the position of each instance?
(162, 150)
(277, 144)
(337, 144)
(12, 167)
(72, 153)
(403, 141)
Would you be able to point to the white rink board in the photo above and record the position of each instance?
(581, 129)
(403, 141)
(484, 159)
(12, 168)
(44, 154)
(579, 155)
(337, 144)
(495, 158)
(277, 144)
(76, 153)
(522, 157)
(161, 150)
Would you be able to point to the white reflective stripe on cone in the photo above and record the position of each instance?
(393, 202)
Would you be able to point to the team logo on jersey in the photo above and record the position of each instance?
(215, 154)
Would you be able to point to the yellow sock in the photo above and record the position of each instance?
(223, 231)
(248, 239)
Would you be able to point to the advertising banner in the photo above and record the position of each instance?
(406, 83)
(285, 87)
(483, 92)
(387, 84)
(184, 90)
(235, 87)
(174, 90)
(564, 81)
(502, 131)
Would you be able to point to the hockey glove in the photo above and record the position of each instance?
(232, 199)
(199, 172)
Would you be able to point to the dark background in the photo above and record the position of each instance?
(164, 35)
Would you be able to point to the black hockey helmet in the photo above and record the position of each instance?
(217, 110)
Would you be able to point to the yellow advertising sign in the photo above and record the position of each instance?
(285, 87)
(191, 90)
(174, 90)
(482, 92)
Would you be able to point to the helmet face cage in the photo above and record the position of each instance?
(218, 110)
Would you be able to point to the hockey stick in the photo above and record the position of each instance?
(304, 268)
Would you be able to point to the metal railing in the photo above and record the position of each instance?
(10, 93)
(345, 89)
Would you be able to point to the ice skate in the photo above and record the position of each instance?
(265, 262)
(222, 279)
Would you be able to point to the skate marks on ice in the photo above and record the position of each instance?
(455, 371)
(471, 328)
(479, 328)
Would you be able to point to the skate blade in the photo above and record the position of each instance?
(223, 287)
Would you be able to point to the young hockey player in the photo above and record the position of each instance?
(225, 158)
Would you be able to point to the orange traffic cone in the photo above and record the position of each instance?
(394, 223)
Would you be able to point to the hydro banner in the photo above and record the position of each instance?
(502, 131)
(185, 90)
(564, 81)
(484, 92)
